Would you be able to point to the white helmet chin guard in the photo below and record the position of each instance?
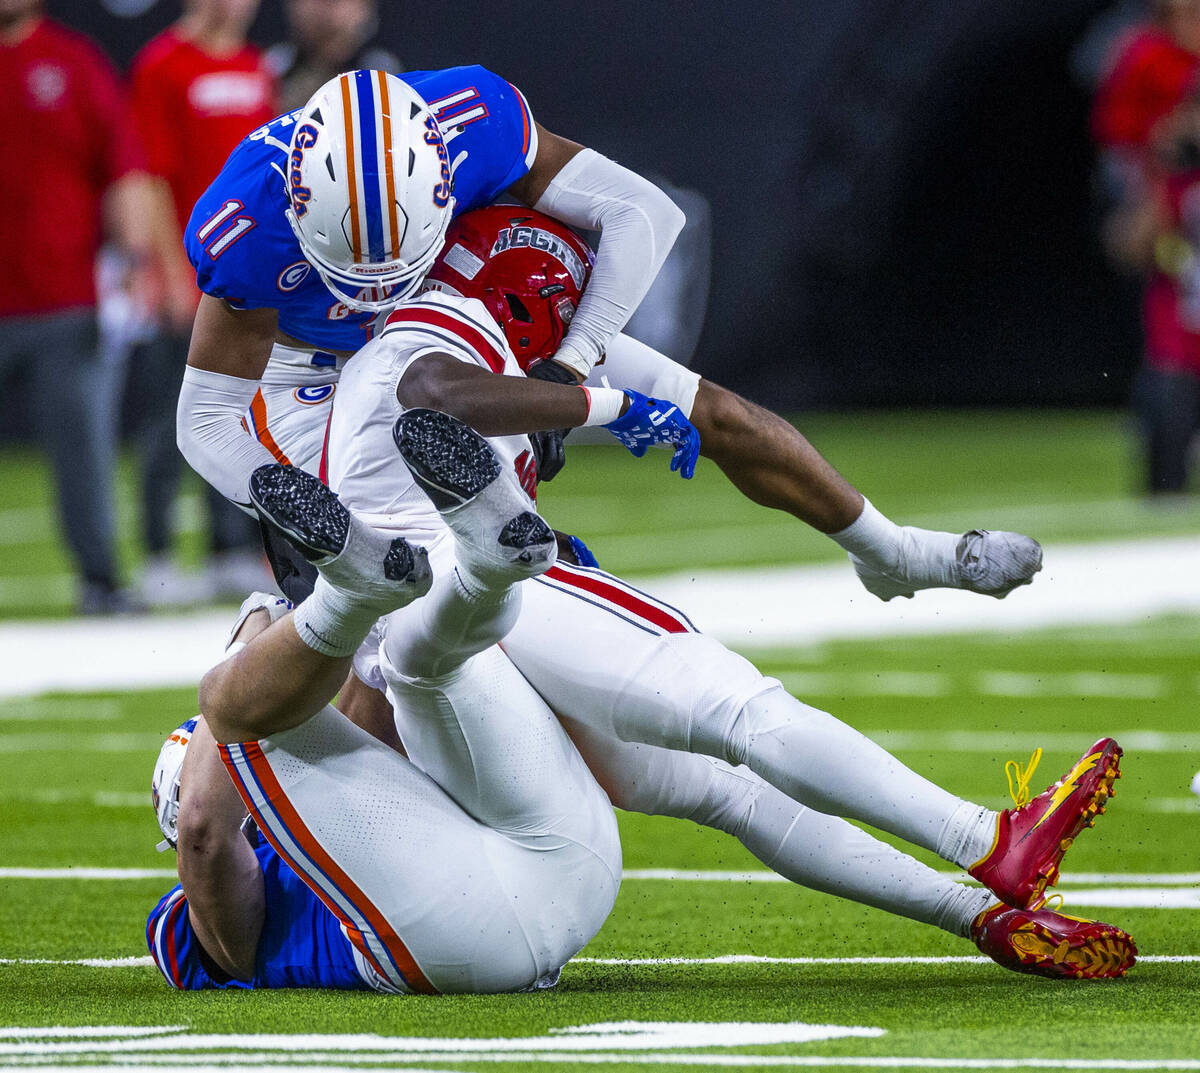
(370, 188)
(164, 789)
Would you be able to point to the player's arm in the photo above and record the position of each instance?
(229, 352)
(217, 868)
(638, 224)
(496, 405)
(492, 405)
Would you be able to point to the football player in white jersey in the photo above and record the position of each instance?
(239, 919)
(620, 667)
(298, 243)
(453, 723)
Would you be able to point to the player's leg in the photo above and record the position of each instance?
(1169, 408)
(291, 670)
(637, 670)
(466, 716)
(807, 847)
(771, 463)
(830, 855)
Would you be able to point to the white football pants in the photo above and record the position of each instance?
(487, 877)
(626, 669)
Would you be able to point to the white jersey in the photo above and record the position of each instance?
(366, 470)
(609, 656)
(292, 414)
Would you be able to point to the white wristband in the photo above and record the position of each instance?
(604, 405)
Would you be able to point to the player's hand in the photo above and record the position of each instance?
(554, 371)
(573, 550)
(652, 421)
(549, 451)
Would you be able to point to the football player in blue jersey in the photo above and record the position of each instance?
(600, 620)
(242, 917)
(334, 213)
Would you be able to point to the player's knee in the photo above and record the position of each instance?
(763, 716)
(728, 801)
(228, 711)
(721, 417)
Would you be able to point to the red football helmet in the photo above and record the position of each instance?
(528, 269)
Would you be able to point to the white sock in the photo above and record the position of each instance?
(817, 851)
(453, 622)
(332, 621)
(828, 765)
(477, 584)
(923, 557)
(968, 835)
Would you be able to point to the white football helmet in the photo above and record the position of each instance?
(370, 188)
(164, 789)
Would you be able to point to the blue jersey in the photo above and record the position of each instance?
(242, 246)
(302, 944)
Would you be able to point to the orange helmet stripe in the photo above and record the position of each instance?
(351, 175)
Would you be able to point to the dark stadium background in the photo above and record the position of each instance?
(901, 190)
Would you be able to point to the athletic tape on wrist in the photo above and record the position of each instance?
(604, 405)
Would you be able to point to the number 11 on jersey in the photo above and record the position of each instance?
(215, 237)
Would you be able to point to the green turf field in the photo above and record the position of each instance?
(1063, 476)
(75, 770)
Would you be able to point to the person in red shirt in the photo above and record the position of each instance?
(76, 159)
(197, 89)
(1145, 121)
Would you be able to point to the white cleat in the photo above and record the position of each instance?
(499, 537)
(384, 573)
(992, 563)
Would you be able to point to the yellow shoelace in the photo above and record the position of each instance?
(1018, 777)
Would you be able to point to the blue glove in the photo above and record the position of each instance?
(650, 421)
(583, 554)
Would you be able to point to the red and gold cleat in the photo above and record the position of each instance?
(1032, 838)
(1046, 943)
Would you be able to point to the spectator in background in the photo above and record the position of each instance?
(326, 37)
(74, 160)
(1148, 125)
(198, 88)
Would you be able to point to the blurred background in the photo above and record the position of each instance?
(901, 191)
(935, 204)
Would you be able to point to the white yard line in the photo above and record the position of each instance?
(88, 1031)
(990, 683)
(91, 963)
(666, 962)
(253, 1063)
(1102, 879)
(1122, 582)
(763, 959)
(81, 742)
(999, 741)
(68, 709)
(88, 873)
(684, 875)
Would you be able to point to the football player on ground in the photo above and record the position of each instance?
(320, 796)
(488, 880)
(629, 675)
(330, 215)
